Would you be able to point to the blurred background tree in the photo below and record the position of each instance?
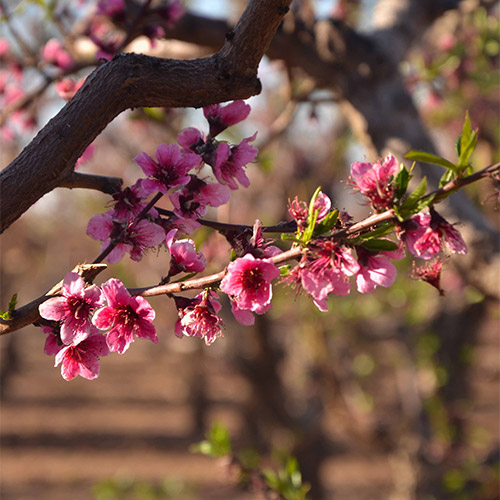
(389, 395)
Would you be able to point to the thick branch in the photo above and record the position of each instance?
(132, 80)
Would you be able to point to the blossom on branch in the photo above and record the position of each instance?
(170, 169)
(376, 181)
(184, 255)
(73, 309)
(125, 316)
(300, 211)
(190, 202)
(133, 237)
(376, 269)
(220, 117)
(82, 357)
(248, 281)
(424, 235)
(324, 269)
(198, 317)
(229, 162)
(430, 273)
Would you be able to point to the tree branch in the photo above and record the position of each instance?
(105, 184)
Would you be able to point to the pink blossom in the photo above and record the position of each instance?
(242, 316)
(220, 117)
(67, 88)
(325, 269)
(229, 162)
(125, 316)
(376, 269)
(169, 171)
(425, 233)
(191, 201)
(248, 280)
(376, 181)
(53, 343)
(198, 317)
(133, 237)
(191, 139)
(73, 308)
(184, 255)
(128, 203)
(54, 53)
(300, 211)
(430, 273)
(82, 358)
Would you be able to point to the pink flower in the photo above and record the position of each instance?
(198, 317)
(67, 88)
(300, 211)
(248, 280)
(184, 255)
(376, 269)
(229, 162)
(125, 316)
(129, 202)
(191, 139)
(430, 273)
(425, 233)
(220, 117)
(82, 358)
(376, 181)
(325, 269)
(133, 237)
(169, 171)
(54, 53)
(242, 316)
(191, 201)
(53, 343)
(73, 308)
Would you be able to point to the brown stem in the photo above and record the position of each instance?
(103, 183)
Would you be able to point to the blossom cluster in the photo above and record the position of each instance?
(330, 256)
(79, 316)
(174, 171)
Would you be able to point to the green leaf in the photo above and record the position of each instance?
(445, 178)
(378, 245)
(217, 444)
(411, 202)
(327, 224)
(285, 270)
(466, 144)
(424, 157)
(427, 201)
(375, 233)
(7, 315)
(401, 182)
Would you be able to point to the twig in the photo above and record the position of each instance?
(103, 183)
